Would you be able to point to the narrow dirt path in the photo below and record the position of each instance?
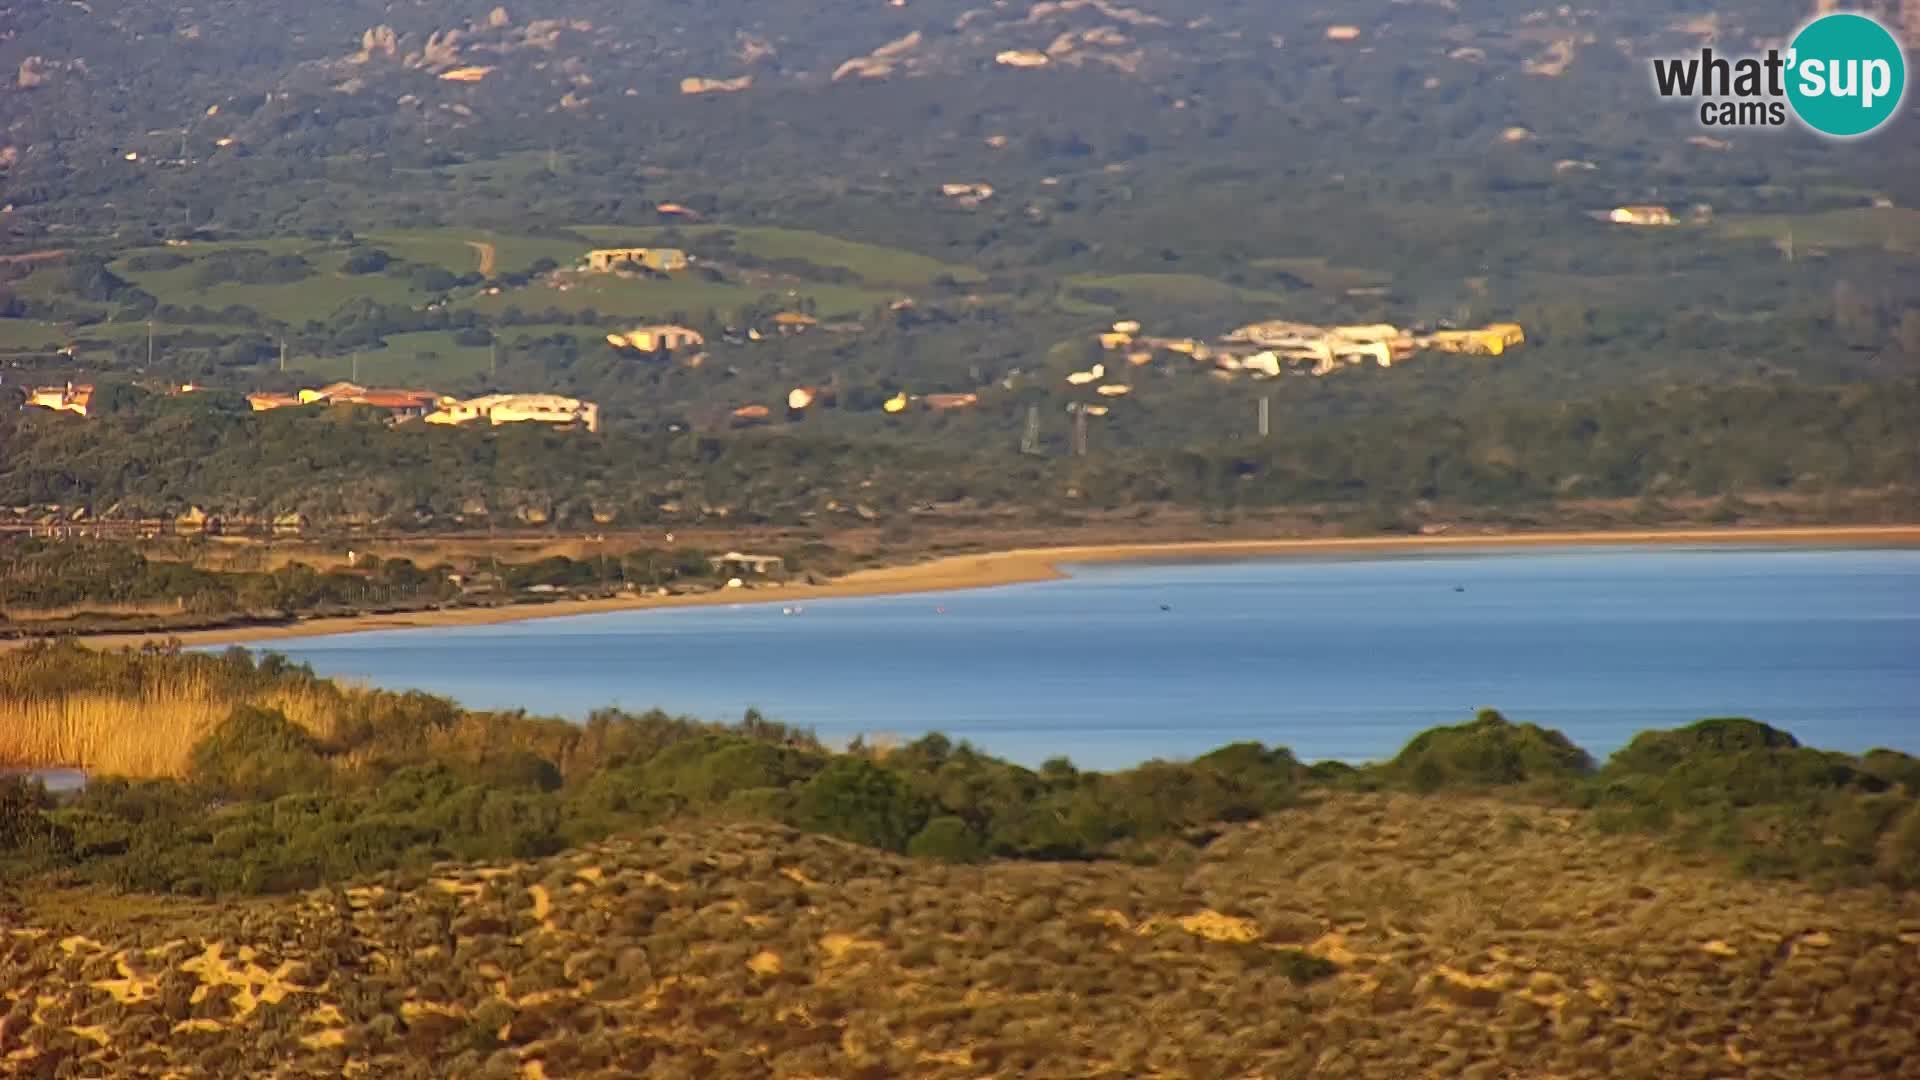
(486, 253)
(34, 256)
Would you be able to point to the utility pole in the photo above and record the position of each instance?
(149, 344)
(355, 378)
(1266, 410)
(1080, 431)
(283, 356)
(1030, 439)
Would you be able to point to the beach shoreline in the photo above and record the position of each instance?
(1016, 566)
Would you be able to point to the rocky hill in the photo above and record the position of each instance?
(1359, 935)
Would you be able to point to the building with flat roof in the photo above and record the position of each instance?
(664, 260)
(498, 409)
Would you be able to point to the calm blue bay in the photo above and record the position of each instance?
(1335, 657)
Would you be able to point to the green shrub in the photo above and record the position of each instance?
(1740, 762)
(857, 800)
(366, 261)
(706, 770)
(761, 804)
(1659, 751)
(948, 838)
(1894, 767)
(1777, 808)
(25, 827)
(1489, 751)
(258, 753)
(519, 769)
(1898, 858)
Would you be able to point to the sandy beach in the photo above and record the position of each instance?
(1018, 566)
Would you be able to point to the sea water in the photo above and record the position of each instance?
(1335, 657)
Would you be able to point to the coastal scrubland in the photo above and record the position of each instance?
(222, 774)
(334, 880)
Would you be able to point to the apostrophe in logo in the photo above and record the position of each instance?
(1847, 75)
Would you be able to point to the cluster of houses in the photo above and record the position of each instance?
(1276, 347)
(55, 522)
(688, 343)
(424, 405)
(434, 408)
(802, 399)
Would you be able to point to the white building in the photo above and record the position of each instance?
(497, 409)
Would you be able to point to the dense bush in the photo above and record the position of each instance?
(949, 838)
(26, 830)
(258, 753)
(406, 779)
(251, 267)
(859, 800)
(1488, 751)
(1779, 808)
(366, 261)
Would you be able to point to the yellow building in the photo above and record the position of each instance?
(264, 401)
(1489, 341)
(1641, 215)
(662, 337)
(664, 260)
(68, 398)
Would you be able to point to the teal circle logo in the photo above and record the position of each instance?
(1846, 75)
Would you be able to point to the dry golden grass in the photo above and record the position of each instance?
(1474, 938)
(149, 734)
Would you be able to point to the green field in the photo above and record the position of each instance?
(1318, 272)
(1890, 228)
(321, 295)
(453, 249)
(316, 298)
(425, 358)
(31, 334)
(430, 358)
(658, 299)
(1190, 289)
(875, 264)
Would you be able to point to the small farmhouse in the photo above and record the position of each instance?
(497, 409)
(663, 338)
(663, 260)
(1641, 215)
(68, 398)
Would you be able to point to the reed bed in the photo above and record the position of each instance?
(146, 728)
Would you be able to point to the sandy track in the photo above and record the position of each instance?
(487, 254)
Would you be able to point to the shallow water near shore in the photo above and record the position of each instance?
(1335, 657)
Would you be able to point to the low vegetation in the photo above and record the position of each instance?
(1381, 934)
(56, 588)
(500, 895)
(224, 774)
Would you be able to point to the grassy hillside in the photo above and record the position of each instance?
(1361, 935)
(441, 892)
(874, 263)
